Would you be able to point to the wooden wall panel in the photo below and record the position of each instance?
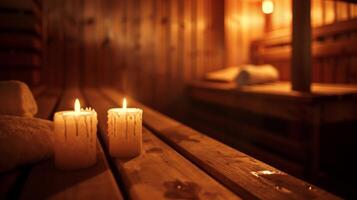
(324, 12)
(54, 43)
(188, 44)
(243, 24)
(167, 44)
(151, 48)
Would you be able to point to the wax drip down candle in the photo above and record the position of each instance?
(125, 131)
(75, 138)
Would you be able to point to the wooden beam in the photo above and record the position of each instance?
(301, 52)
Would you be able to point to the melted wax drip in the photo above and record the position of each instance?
(76, 122)
(134, 123)
(65, 129)
(126, 127)
(86, 123)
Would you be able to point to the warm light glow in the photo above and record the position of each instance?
(124, 103)
(267, 6)
(77, 106)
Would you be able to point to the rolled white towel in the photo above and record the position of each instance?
(24, 140)
(16, 99)
(252, 74)
(224, 75)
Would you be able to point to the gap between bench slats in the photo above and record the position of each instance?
(46, 182)
(159, 172)
(233, 168)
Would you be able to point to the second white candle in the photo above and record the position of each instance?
(125, 131)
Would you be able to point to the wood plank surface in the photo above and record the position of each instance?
(244, 175)
(283, 90)
(159, 172)
(96, 182)
(278, 100)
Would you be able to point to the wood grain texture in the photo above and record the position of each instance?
(331, 41)
(46, 182)
(145, 47)
(21, 41)
(22, 6)
(234, 169)
(301, 46)
(274, 99)
(159, 172)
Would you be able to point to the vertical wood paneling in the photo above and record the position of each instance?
(54, 44)
(106, 43)
(317, 12)
(187, 63)
(200, 36)
(115, 73)
(147, 45)
(332, 69)
(89, 21)
(151, 48)
(72, 36)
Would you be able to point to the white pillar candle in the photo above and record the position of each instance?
(75, 138)
(125, 131)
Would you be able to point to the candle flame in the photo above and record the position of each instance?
(124, 103)
(77, 106)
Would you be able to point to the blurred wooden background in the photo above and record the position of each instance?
(151, 48)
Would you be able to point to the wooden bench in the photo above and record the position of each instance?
(266, 120)
(177, 162)
(270, 119)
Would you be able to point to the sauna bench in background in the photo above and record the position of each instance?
(177, 162)
(288, 129)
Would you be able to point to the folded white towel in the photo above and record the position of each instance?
(16, 99)
(24, 140)
(252, 74)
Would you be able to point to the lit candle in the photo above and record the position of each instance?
(125, 131)
(75, 138)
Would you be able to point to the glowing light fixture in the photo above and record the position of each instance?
(267, 6)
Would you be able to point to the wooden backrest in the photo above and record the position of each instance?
(21, 40)
(334, 49)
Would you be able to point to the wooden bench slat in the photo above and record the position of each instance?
(234, 169)
(159, 172)
(275, 99)
(96, 182)
(251, 133)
